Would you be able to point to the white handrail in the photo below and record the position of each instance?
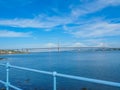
(55, 75)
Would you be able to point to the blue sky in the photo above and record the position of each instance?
(44, 23)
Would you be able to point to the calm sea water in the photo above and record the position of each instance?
(103, 65)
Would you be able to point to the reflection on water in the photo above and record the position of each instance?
(100, 65)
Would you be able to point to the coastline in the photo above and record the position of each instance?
(11, 52)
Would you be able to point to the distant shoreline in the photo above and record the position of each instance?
(11, 52)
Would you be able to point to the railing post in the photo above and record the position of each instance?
(7, 76)
(54, 80)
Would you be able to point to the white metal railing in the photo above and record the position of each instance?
(54, 74)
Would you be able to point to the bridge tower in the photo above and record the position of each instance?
(58, 46)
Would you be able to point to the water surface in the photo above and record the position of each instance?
(103, 65)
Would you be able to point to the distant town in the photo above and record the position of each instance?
(11, 52)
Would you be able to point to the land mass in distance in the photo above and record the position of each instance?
(11, 52)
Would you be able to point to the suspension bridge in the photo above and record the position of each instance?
(42, 49)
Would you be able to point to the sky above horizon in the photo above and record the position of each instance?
(45, 23)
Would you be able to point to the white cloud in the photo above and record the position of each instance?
(6, 33)
(23, 23)
(41, 21)
(78, 44)
(101, 44)
(91, 7)
(84, 28)
(95, 29)
(50, 45)
(49, 22)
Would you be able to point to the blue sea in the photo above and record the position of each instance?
(104, 65)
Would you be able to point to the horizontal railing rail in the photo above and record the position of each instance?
(54, 74)
(12, 86)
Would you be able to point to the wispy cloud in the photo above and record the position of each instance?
(95, 29)
(78, 44)
(91, 7)
(81, 29)
(51, 45)
(49, 22)
(41, 21)
(6, 33)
